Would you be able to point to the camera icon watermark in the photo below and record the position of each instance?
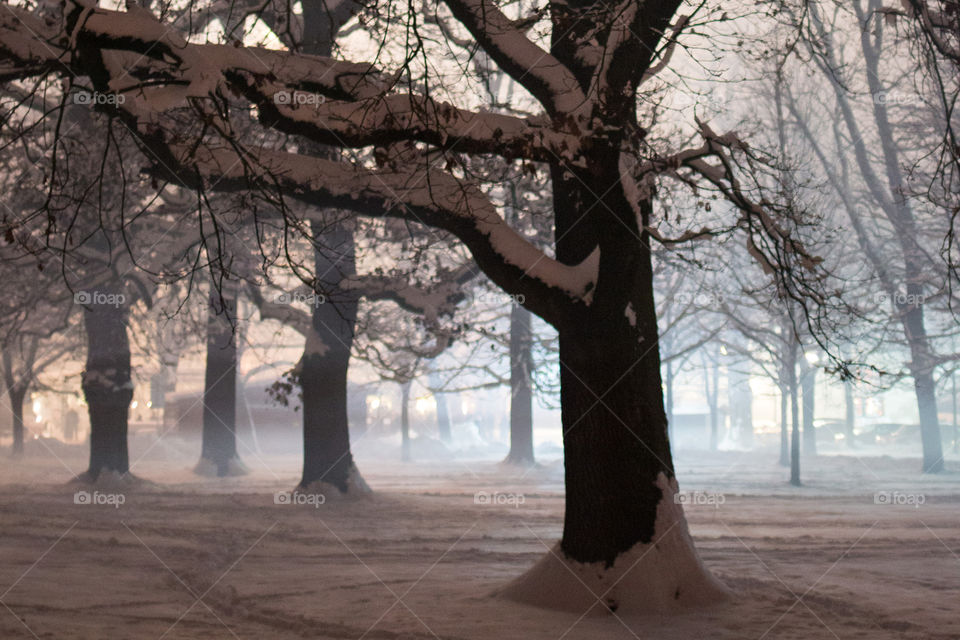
(309, 299)
(901, 299)
(895, 98)
(899, 498)
(95, 98)
(703, 299)
(499, 499)
(299, 499)
(699, 499)
(91, 298)
(498, 298)
(298, 99)
(115, 500)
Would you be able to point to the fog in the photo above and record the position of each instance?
(479, 319)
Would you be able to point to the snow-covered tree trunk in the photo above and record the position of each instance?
(106, 382)
(218, 456)
(521, 387)
(619, 476)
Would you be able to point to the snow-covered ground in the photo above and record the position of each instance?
(184, 557)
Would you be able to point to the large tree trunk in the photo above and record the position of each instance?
(17, 394)
(521, 387)
(624, 534)
(323, 370)
(930, 437)
(106, 382)
(218, 454)
(808, 384)
(17, 387)
(923, 383)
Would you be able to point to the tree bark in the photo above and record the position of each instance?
(443, 411)
(616, 449)
(219, 438)
(784, 422)
(405, 421)
(106, 381)
(741, 406)
(850, 417)
(324, 367)
(929, 422)
(521, 387)
(808, 383)
(17, 394)
(443, 418)
(795, 417)
(711, 381)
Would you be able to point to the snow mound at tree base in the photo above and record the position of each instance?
(660, 577)
(356, 487)
(110, 480)
(208, 468)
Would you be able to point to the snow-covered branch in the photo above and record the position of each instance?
(407, 191)
(545, 77)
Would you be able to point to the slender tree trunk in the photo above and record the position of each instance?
(795, 417)
(956, 425)
(219, 450)
(850, 418)
(715, 407)
(405, 421)
(741, 406)
(106, 382)
(710, 386)
(17, 394)
(899, 211)
(784, 422)
(17, 387)
(443, 418)
(808, 383)
(323, 369)
(443, 411)
(521, 387)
